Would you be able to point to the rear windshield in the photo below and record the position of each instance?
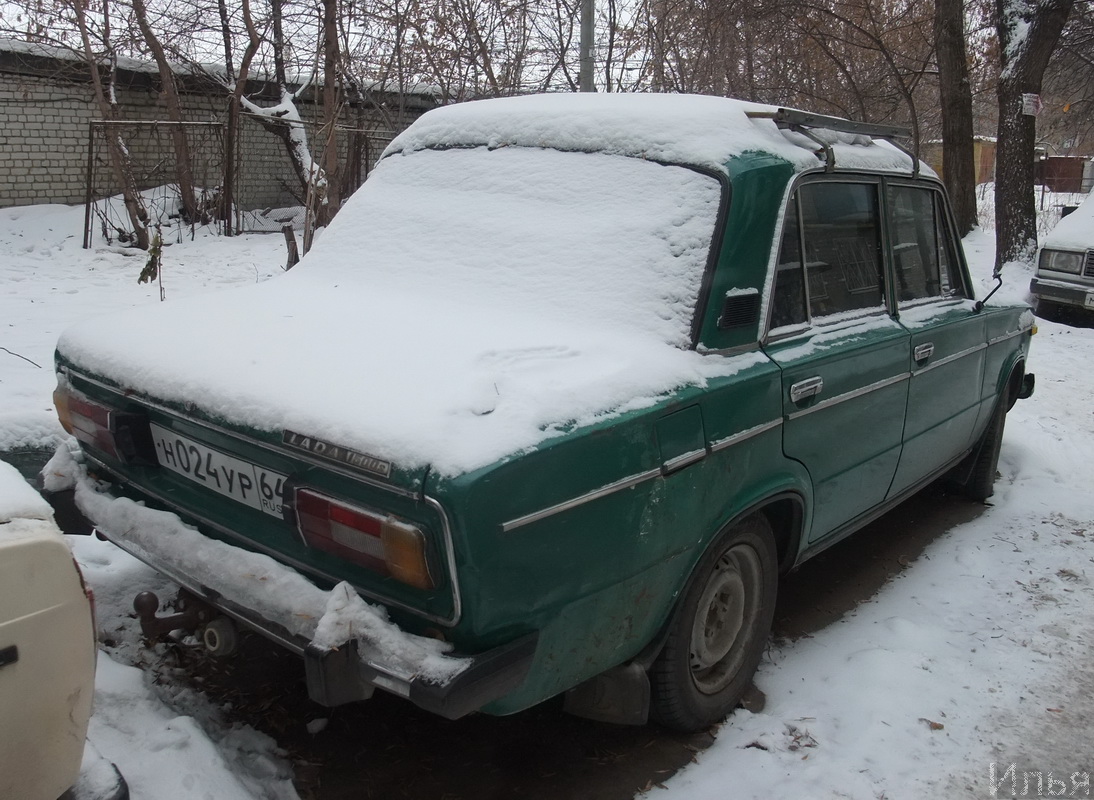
(578, 238)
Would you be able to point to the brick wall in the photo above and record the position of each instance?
(43, 140)
(46, 105)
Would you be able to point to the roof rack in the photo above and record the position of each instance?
(802, 121)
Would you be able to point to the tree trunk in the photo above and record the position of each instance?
(116, 146)
(955, 94)
(329, 198)
(1028, 32)
(227, 191)
(237, 84)
(183, 164)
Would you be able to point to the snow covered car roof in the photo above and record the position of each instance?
(682, 129)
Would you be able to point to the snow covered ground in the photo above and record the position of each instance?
(979, 654)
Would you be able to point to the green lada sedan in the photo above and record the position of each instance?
(549, 408)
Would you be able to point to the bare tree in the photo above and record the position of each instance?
(284, 119)
(1028, 31)
(106, 99)
(1068, 119)
(327, 205)
(886, 47)
(955, 94)
(236, 83)
(183, 163)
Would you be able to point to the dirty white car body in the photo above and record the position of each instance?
(1065, 263)
(47, 649)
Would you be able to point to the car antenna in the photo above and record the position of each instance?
(998, 275)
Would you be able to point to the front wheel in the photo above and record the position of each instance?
(980, 484)
(719, 631)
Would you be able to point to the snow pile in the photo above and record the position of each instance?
(98, 777)
(18, 500)
(1075, 231)
(184, 756)
(685, 129)
(460, 307)
(256, 582)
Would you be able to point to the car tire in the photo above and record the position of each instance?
(719, 631)
(980, 484)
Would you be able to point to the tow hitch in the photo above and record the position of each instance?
(217, 632)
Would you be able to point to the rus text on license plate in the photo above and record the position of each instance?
(240, 480)
(1090, 299)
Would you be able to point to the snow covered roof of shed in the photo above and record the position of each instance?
(686, 129)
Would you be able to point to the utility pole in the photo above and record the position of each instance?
(588, 12)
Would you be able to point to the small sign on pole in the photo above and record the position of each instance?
(1031, 104)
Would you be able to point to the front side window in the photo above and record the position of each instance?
(837, 227)
(923, 262)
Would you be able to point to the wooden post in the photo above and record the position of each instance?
(290, 243)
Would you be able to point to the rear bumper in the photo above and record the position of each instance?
(1060, 292)
(337, 676)
(352, 670)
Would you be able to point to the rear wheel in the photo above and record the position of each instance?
(720, 629)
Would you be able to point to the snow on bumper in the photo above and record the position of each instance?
(349, 646)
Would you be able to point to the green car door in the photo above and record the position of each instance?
(948, 334)
(844, 359)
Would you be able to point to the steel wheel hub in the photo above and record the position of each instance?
(723, 616)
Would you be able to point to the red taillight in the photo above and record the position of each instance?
(124, 435)
(377, 541)
(87, 421)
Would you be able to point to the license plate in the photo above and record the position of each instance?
(240, 480)
(1090, 299)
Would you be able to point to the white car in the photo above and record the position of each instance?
(1065, 263)
(47, 649)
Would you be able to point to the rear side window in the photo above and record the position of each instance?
(789, 307)
(837, 227)
(924, 264)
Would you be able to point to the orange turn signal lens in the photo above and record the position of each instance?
(64, 412)
(404, 552)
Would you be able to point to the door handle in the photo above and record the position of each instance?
(923, 351)
(803, 390)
